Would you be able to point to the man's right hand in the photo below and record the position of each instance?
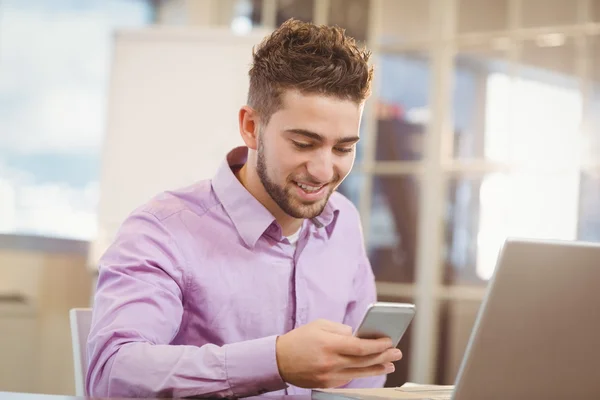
(324, 354)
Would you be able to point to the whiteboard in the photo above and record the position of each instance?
(172, 115)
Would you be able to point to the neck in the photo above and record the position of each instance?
(250, 180)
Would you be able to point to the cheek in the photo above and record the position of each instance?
(290, 162)
(344, 166)
(283, 165)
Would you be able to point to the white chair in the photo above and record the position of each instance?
(81, 321)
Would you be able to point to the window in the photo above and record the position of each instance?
(541, 206)
(539, 196)
(54, 70)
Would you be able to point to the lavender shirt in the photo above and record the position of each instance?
(199, 283)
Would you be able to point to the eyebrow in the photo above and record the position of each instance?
(317, 137)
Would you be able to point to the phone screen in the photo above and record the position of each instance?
(386, 320)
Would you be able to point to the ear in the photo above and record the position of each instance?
(249, 124)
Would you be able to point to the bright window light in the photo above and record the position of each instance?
(54, 70)
(541, 131)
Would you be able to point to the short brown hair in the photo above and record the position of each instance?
(311, 59)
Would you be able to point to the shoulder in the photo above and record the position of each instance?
(198, 198)
(348, 218)
(347, 210)
(348, 229)
(159, 221)
(166, 215)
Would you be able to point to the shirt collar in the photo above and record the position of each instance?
(250, 218)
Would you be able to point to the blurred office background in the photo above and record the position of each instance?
(484, 123)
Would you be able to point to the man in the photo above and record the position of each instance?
(251, 282)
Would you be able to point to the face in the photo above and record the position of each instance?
(306, 150)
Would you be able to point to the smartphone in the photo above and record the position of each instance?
(386, 320)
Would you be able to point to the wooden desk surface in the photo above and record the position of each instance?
(35, 396)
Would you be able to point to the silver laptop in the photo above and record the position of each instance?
(537, 334)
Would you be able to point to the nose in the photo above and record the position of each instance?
(321, 167)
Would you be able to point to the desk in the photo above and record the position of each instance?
(32, 396)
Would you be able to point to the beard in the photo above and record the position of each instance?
(284, 197)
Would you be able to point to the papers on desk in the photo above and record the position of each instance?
(432, 392)
(411, 391)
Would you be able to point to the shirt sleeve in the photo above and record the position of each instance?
(138, 311)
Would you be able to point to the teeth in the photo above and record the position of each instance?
(308, 188)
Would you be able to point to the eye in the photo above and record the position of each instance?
(344, 149)
(301, 145)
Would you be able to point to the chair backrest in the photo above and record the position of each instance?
(81, 321)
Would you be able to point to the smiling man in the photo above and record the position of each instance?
(253, 281)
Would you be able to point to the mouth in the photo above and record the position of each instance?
(309, 188)
(310, 192)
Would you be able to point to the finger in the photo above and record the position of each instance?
(335, 327)
(373, 370)
(388, 356)
(353, 346)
